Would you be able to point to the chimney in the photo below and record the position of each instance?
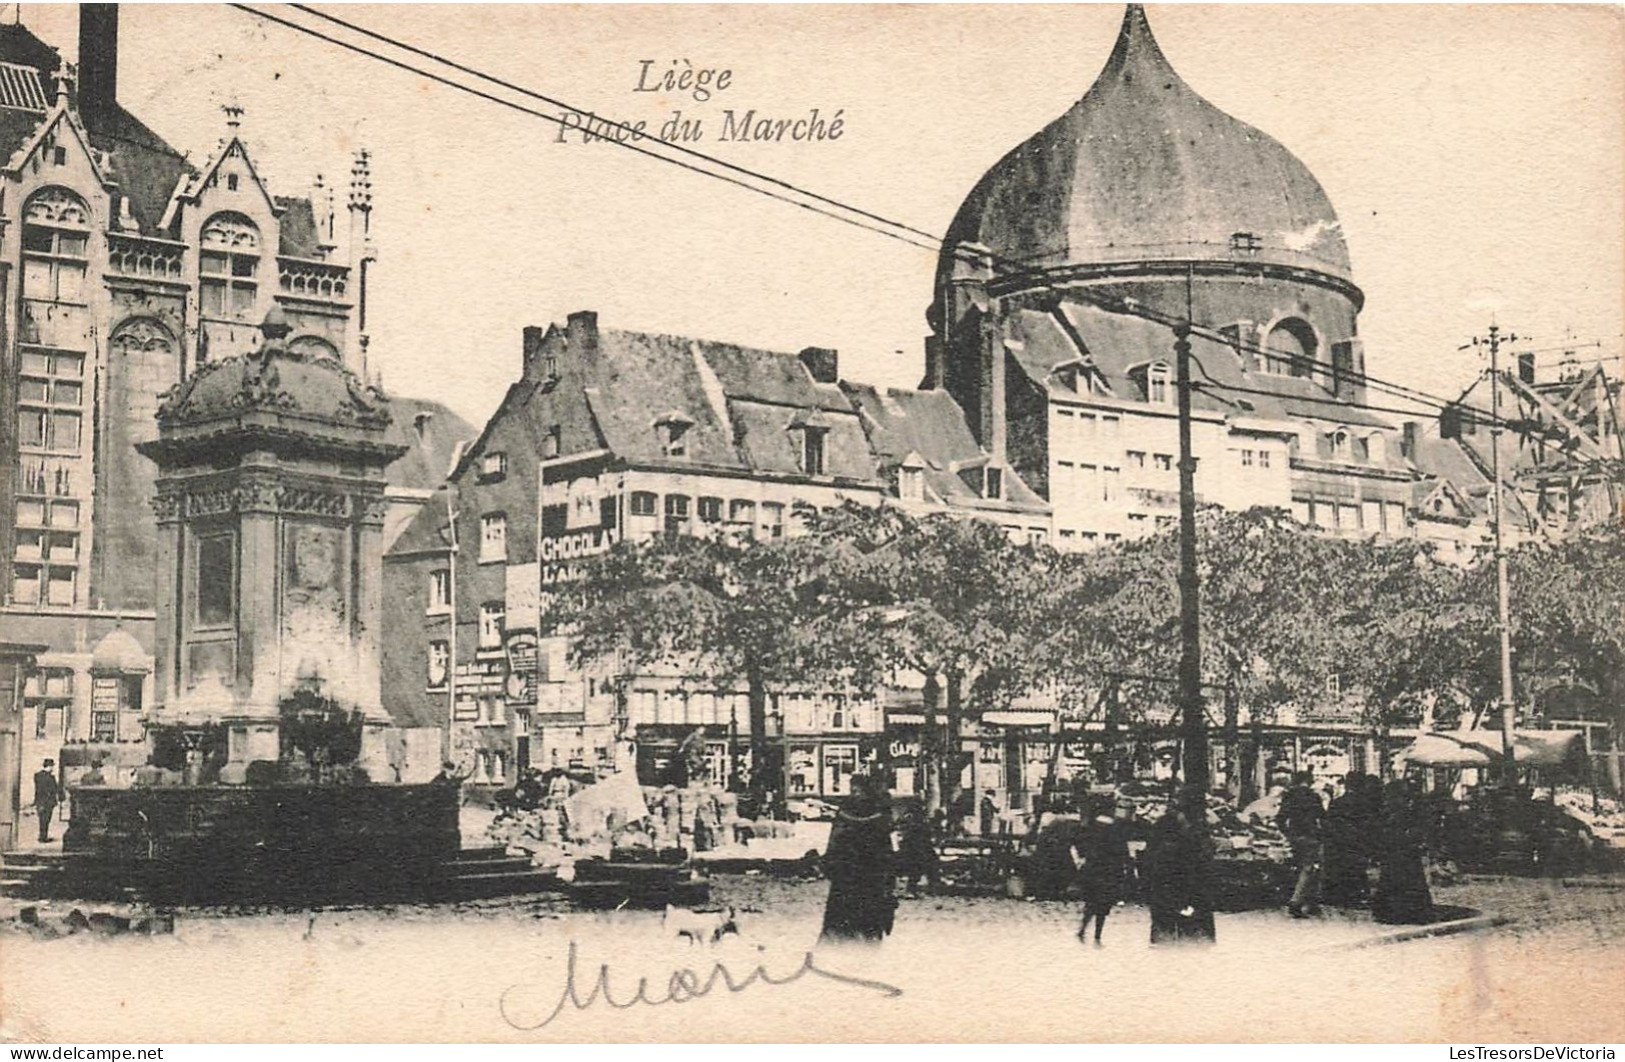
(1413, 432)
(1526, 367)
(822, 363)
(531, 352)
(583, 328)
(98, 59)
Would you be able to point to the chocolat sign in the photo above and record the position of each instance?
(558, 551)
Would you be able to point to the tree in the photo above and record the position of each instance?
(943, 596)
(712, 607)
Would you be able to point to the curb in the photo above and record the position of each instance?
(1474, 924)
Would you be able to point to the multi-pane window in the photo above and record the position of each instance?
(50, 400)
(1163, 462)
(710, 510)
(643, 503)
(56, 242)
(741, 511)
(48, 697)
(440, 590)
(491, 620)
(493, 537)
(772, 520)
(228, 267)
(1157, 389)
(677, 519)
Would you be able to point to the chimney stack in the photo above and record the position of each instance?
(1413, 433)
(823, 364)
(98, 59)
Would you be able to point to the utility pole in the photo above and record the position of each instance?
(1193, 721)
(1509, 710)
(1192, 718)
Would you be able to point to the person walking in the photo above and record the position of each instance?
(1300, 819)
(917, 850)
(1103, 862)
(859, 863)
(47, 795)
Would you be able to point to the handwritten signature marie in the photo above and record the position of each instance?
(683, 986)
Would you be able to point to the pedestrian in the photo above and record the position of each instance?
(989, 813)
(1103, 861)
(1178, 859)
(917, 851)
(1300, 819)
(94, 776)
(1402, 896)
(1350, 825)
(47, 795)
(859, 864)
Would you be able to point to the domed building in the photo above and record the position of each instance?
(1144, 195)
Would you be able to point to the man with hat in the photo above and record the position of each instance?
(47, 795)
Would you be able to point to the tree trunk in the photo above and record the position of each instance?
(930, 769)
(1235, 782)
(760, 784)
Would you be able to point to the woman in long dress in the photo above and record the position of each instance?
(860, 865)
(1176, 859)
(1402, 896)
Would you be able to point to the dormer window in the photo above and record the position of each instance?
(672, 431)
(1340, 444)
(911, 483)
(550, 443)
(993, 482)
(812, 450)
(1158, 389)
(1376, 448)
(228, 263)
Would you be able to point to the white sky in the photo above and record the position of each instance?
(1474, 155)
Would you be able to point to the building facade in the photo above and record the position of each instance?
(611, 435)
(125, 267)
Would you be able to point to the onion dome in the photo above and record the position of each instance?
(1143, 170)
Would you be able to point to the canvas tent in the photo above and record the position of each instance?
(1481, 748)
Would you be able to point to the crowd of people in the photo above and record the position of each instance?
(1109, 855)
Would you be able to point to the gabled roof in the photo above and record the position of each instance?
(745, 406)
(430, 451)
(191, 189)
(1118, 343)
(930, 426)
(429, 530)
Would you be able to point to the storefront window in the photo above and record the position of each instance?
(840, 764)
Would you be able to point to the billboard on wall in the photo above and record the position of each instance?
(561, 552)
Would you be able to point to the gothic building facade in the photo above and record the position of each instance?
(124, 267)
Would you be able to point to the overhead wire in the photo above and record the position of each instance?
(827, 206)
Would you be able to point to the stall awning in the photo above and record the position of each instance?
(1018, 717)
(1480, 748)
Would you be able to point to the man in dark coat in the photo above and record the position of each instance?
(1402, 896)
(860, 866)
(1350, 826)
(47, 795)
(1300, 819)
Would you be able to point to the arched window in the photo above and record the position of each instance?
(56, 242)
(228, 264)
(1291, 349)
(1158, 385)
(1340, 443)
(1376, 449)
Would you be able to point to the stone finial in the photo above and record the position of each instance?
(361, 181)
(234, 115)
(275, 328)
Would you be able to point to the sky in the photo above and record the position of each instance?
(1474, 156)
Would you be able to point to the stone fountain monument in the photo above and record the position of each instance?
(269, 768)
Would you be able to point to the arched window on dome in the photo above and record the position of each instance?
(1291, 349)
(228, 267)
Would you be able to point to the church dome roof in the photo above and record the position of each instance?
(1143, 169)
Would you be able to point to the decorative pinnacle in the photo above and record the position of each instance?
(234, 115)
(361, 180)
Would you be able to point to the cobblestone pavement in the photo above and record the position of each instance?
(968, 969)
